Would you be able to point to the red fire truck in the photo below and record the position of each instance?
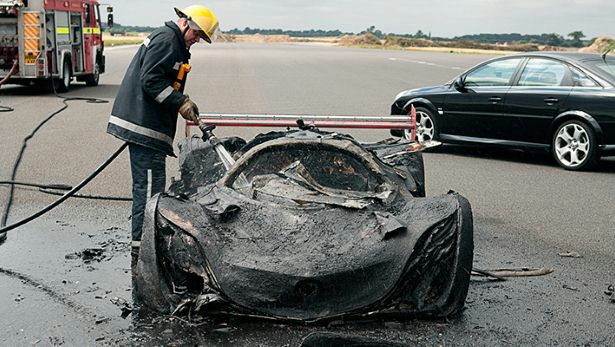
(51, 39)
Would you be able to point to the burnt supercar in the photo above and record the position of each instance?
(306, 226)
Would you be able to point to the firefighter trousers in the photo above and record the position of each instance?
(148, 168)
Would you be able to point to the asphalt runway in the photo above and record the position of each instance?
(526, 209)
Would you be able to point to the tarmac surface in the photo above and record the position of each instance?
(65, 278)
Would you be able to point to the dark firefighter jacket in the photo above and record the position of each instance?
(146, 106)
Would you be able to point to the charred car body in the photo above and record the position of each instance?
(306, 226)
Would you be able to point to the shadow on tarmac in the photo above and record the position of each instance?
(605, 165)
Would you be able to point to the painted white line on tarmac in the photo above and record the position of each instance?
(426, 63)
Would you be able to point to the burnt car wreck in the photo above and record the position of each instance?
(306, 226)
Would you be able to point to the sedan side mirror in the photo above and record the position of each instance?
(460, 83)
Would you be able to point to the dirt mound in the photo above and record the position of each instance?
(222, 37)
(407, 42)
(394, 41)
(359, 40)
(261, 38)
(547, 48)
(600, 45)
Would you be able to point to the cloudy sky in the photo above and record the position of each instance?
(445, 18)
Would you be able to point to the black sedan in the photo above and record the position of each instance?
(560, 102)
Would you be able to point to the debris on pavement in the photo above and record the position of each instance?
(610, 291)
(501, 274)
(489, 275)
(574, 289)
(104, 252)
(88, 255)
(569, 254)
(103, 320)
(124, 306)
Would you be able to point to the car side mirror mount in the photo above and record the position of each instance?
(460, 83)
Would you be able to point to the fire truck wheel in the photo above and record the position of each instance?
(63, 84)
(92, 80)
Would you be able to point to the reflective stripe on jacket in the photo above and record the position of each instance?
(146, 106)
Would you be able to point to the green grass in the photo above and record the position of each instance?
(122, 42)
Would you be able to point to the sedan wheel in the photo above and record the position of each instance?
(574, 146)
(425, 126)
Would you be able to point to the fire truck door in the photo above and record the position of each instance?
(76, 29)
(63, 39)
(88, 37)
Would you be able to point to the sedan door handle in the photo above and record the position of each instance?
(551, 101)
(495, 99)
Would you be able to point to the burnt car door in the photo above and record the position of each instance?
(475, 108)
(537, 97)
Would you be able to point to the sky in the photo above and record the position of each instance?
(443, 18)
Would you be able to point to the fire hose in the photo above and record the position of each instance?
(3, 227)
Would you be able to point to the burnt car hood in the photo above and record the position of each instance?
(304, 264)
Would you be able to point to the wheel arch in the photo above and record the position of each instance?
(420, 102)
(576, 115)
(65, 55)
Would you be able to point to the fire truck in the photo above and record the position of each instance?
(57, 40)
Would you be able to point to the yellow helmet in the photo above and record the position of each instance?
(201, 18)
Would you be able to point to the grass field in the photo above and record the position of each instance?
(118, 40)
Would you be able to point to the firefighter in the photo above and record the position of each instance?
(150, 97)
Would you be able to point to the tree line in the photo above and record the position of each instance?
(573, 39)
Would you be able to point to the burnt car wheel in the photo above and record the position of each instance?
(426, 129)
(575, 146)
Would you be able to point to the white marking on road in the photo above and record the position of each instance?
(426, 63)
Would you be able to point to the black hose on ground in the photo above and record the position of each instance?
(38, 185)
(68, 194)
(7, 208)
(52, 191)
(56, 189)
